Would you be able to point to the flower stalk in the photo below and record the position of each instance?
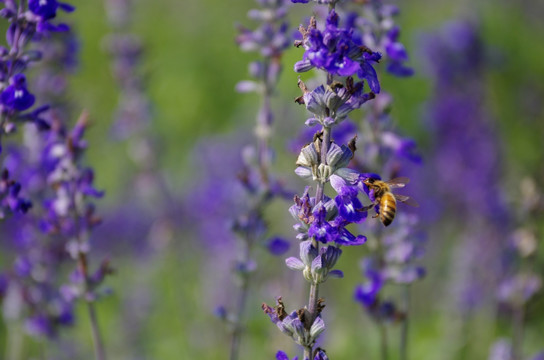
(270, 39)
(321, 220)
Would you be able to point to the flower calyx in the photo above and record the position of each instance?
(296, 324)
(316, 265)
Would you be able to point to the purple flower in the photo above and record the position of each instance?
(19, 56)
(45, 10)
(396, 54)
(271, 38)
(517, 290)
(345, 237)
(320, 354)
(11, 200)
(379, 32)
(367, 294)
(278, 246)
(335, 51)
(501, 350)
(349, 206)
(39, 326)
(320, 229)
(280, 355)
(16, 97)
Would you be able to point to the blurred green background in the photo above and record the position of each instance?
(192, 63)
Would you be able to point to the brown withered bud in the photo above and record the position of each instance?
(243, 176)
(352, 146)
(306, 215)
(299, 100)
(91, 217)
(320, 305)
(302, 86)
(318, 136)
(317, 143)
(301, 314)
(305, 318)
(280, 309)
(302, 30)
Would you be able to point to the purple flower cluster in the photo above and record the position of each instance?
(270, 39)
(465, 143)
(241, 202)
(322, 221)
(295, 324)
(398, 264)
(326, 221)
(502, 350)
(133, 112)
(335, 51)
(384, 148)
(56, 232)
(10, 197)
(26, 25)
(68, 214)
(465, 140)
(377, 30)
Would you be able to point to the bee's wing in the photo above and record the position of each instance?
(399, 182)
(406, 200)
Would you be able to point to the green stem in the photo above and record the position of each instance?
(517, 338)
(241, 305)
(99, 352)
(405, 323)
(14, 344)
(307, 353)
(383, 340)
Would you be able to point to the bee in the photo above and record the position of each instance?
(386, 199)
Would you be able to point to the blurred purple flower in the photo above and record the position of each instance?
(465, 143)
(278, 246)
(280, 355)
(11, 200)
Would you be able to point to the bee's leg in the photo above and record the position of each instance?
(375, 216)
(366, 208)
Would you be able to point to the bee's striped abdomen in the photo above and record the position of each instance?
(388, 208)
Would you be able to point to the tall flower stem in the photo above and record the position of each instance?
(241, 304)
(383, 341)
(314, 288)
(517, 338)
(324, 150)
(405, 323)
(307, 353)
(312, 308)
(263, 129)
(14, 340)
(100, 353)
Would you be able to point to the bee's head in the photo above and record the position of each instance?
(369, 181)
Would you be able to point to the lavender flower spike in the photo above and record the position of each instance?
(270, 39)
(322, 221)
